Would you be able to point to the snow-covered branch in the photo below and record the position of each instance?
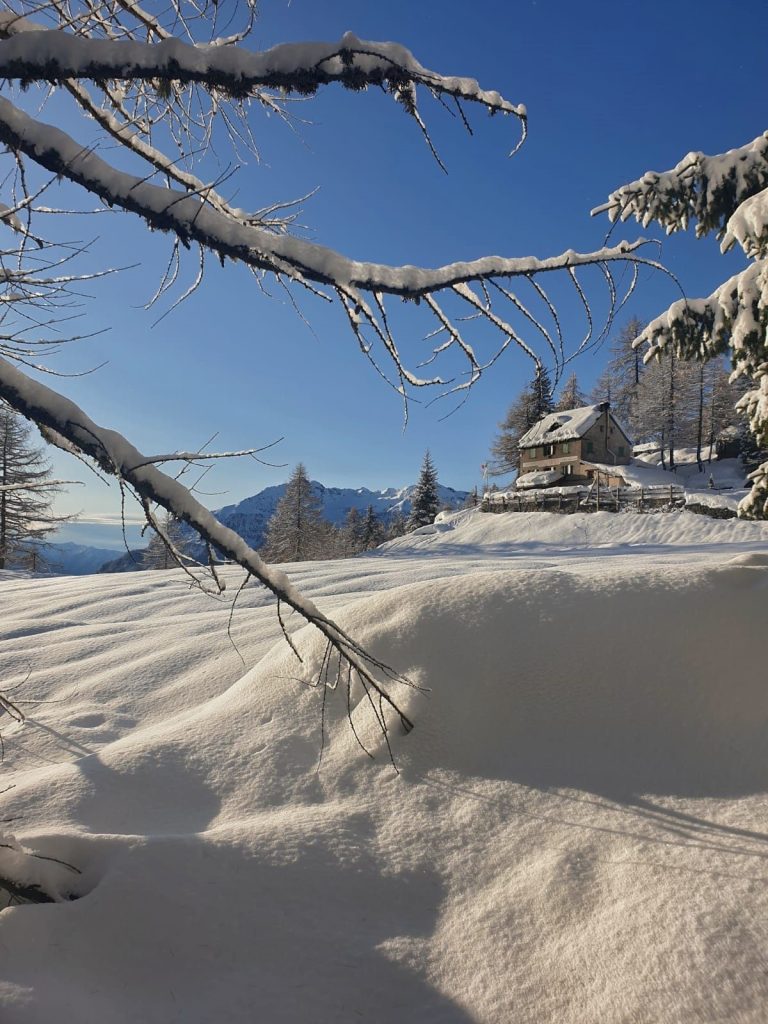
(117, 457)
(732, 320)
(30, 53)
(360, 286)
(727, 194)
(707, 189)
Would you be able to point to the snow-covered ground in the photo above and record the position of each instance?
(577, 832)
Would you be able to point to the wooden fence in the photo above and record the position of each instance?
(588, 499)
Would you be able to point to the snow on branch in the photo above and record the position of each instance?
(359, 286)
(727, 194)
(46, 486)
(31, 53)
(707, 189)
(62, 419)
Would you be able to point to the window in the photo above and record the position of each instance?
(549, 449)
(534, 453)
(590, 447)
(566, 448)
(569, 469)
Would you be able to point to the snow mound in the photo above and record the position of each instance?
(516, 532)
(560, 680)
(576, 832)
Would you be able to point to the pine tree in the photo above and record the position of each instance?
(541, 390)
(372, 532)
(425, 502)
(571, 395)
(25, 495)
(294, 532)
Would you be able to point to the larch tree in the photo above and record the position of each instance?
(27, 491)
(168, 545)
(396, 526)
(425, 502)
(151, 87)
(571, 396)
(727, 195)
(352, 532)
(294, 531)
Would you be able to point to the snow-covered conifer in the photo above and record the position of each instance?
(726, 194)
(425, 502)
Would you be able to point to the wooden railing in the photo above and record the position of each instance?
(588, 499)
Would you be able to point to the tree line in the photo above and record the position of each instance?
(669, 402)
(297, 530)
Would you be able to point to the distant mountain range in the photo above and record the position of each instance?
(69, 559)
(250, 516)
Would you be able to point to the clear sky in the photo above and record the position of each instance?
(612, 89)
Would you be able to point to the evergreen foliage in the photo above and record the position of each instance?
(528, 408)
(294, 532)
(542, 401)
(373, 531)
(726, 194)
(425, 503)
(25, 511)
(351, 533)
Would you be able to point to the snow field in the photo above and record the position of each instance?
(576, 833)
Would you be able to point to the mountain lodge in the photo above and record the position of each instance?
(572, 446)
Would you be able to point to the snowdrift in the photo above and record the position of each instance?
(576, 832)
(514, 533)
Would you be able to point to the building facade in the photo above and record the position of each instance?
(574, 446)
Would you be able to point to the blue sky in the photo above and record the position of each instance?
(612, 90)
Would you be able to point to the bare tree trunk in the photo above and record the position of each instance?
(671, 410)
(700, 422)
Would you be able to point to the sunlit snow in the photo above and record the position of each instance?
(577, 831)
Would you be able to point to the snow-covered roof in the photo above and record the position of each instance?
(564, 425)
(542, 478)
